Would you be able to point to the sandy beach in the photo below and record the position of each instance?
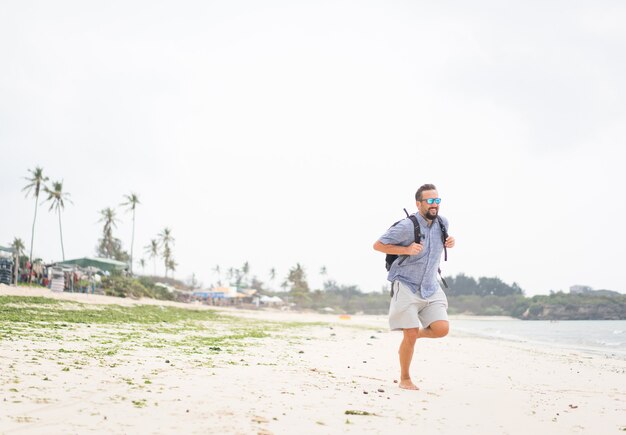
(302, 373)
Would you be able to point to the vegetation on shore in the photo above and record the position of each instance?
(484, 297)
(491, 296)
(189, 330)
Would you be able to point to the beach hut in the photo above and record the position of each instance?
(6, 265)
(271, 301)
(208, 296)
(8, 252)
(104, 264)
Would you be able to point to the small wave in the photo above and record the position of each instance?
(618, 331)
(610, 343)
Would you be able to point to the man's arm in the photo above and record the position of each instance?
(412, 249)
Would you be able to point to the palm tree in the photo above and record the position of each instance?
(18, 246)
(171, 265)
(323, 272)
(142, 263)
(153, 251)
(298, 283)
(166, 240)
(218, 272)
(57, 198)
(272, 274)
(36, 183)
(131, 202)
(241, 275)
(107, 243)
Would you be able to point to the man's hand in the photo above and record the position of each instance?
(449, 242)
(413, 249)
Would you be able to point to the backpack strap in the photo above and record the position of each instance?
(416, 226)
(416, 231)
(443, 279)
(444, 236)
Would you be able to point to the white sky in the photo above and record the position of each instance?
(278, 132)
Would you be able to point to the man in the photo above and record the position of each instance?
(417, 299)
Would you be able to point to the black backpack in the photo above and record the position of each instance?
(390, 258)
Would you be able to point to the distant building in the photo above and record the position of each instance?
(586, 290)
(580, 289)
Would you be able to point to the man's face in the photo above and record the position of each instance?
(429, 211)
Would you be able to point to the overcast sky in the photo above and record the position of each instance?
(278, 132)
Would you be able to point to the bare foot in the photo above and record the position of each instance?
(407, 384)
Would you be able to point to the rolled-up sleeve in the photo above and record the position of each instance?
(402, 234)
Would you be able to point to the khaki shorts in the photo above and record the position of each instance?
(409, 310)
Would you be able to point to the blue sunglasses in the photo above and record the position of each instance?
(431, 200)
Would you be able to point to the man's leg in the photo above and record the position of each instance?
(437, 329)
(406, 355)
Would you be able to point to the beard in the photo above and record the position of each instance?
(431, 213)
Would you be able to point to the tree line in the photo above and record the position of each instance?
(486, 296)
(108, 245)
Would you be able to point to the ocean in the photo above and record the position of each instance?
(607, 337)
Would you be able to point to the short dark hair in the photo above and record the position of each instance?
(423, 187)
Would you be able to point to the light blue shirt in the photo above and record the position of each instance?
(417, 271)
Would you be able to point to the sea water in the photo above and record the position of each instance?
(603, 336)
